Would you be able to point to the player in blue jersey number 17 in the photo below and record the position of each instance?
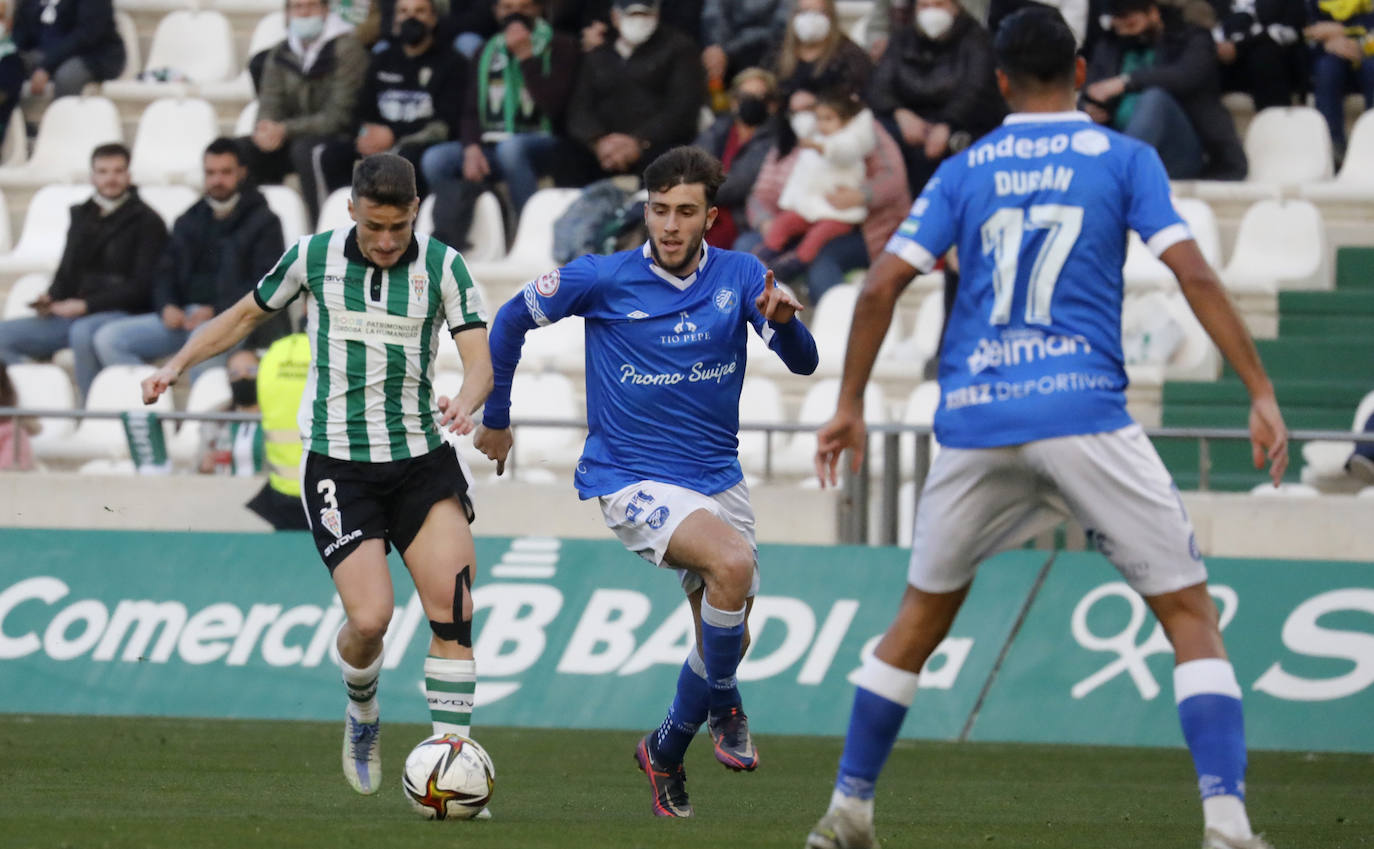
(666, 328)
(1032, 422)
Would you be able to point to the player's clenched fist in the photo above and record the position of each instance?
(158, 382)
(495, 443)
(775, 304)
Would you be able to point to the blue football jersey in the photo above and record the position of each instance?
(1039, 210)
(665, 364)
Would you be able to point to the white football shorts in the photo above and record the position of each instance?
(978, 502)
(645, 515)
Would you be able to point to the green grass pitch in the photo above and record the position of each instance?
(90, 782)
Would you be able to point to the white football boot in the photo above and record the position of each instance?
(362, 753)
(842, 829)
(1214, 839)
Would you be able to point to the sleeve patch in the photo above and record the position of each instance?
(547, 284)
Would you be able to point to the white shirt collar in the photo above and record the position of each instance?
(1045, 117)
(679, 283)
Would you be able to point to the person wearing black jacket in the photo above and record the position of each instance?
(410, 98)
(68, 44)
(934, 89)
(218, 250)
(106, 272)
(1260, 46)
(741, 140)
(1155, 78)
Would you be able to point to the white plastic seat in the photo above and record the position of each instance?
(1300, 490)
(114, 388)
(532, 253)
(797, 455)
(1279, 246)
(1355, 182)
(23, 292)
(289, 207)
(45, 229)
(930, 320)
(1324, 459)
(1286, 146)
(545, 396)
(14, 150)
(554, 345)
(70, 129)
(6, 238)
(247, 120)
(488, 233)
(921, 406)
(334, 211)
(169, 146)
(210, 392)
(246, 7)
(133, 55)
(1143, 271)
(760, 402)
(43, 386)
(155, 5)
(196, 44)
(269, 31)
(829, 324)
(171, 202)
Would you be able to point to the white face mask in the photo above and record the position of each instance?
(811, 27)
(803, 124)
(934, 21)
(637, 29)
(307, 29)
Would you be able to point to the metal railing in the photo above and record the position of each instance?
(856, 488)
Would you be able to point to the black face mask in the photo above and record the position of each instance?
(517, 17)
(752, 111)
(412, 32)
(244, 391)
(1143, 40)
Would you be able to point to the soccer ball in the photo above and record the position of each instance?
(448, 777)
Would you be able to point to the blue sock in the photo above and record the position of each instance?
(685, 715)
(722, 639)
(881, 702)
(1209, 709)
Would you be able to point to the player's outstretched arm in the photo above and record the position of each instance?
(218, 335)
(456, 413)
(1213, 308)
(872, 317)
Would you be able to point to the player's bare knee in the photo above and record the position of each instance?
(735, 572)
(370, 625)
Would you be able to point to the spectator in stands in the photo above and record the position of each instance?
(16, 454)
(472, 22)
(106, 272)
(738, 32)
(590, 20)
(884, 192)
(282, 376)
(815, 54)
(1156, 78)
(235, 448)
(310, 85)
(67, 44)
(218, 251)
(1259, 45)
(934, 88)
(409, 101)
(11, 70)
(639, 95)
(1343, 34)
(513, 115)
(741, 141)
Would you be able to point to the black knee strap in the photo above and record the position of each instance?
(460, 629)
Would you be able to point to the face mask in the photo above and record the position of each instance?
(803, 124)
(244, 391)
(934, 21)
(752, 111)
(307, 29)
(518, 18)
(637, 29)
(811, 27)
(412, 32)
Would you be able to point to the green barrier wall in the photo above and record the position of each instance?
(582, 634)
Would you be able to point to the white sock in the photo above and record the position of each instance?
(450, 686)
(362, 688)
(1226, 814)
(862, 808)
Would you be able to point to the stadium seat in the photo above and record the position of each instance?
(1288, 490)
(557, 346)
(1355, 182)
(44, 386)
(23, 292)
(920, 409)
(114, 388)
(269, 31)
(1324, 460)
(930, 319)
(798, 453)
(155, 5)
(488, 233)
(209, 393)
(1191, 355)
(1280, 245)
(14, 148)
(169, 201)
(334, 211)
(45, 230)
(545, 396)
(1143, 271)
(246, 7)
(133, 54)
(70, 129)
(102, 467)
(6, 238)
(198, 45)
(760, 402)
(1286, 147)
(532, 253)
(829, 323)
(290, 209)
(170, 143)
(247, 120)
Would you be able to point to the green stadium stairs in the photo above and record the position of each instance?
(1322, 365)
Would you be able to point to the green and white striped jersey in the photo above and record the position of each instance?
(374, 334)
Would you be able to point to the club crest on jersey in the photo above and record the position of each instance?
(332, 520)
(419, 285)
(725, 299)
(547, 284)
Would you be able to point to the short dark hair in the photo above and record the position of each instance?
(222, 146)
(843, 99)
(385, 179)
(1122, 8)
(1035, 45)
(109, 149)
(685, 166)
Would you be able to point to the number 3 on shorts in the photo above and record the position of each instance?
(326, 488)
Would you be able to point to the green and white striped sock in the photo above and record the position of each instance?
(450, 686)
(362, 688)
